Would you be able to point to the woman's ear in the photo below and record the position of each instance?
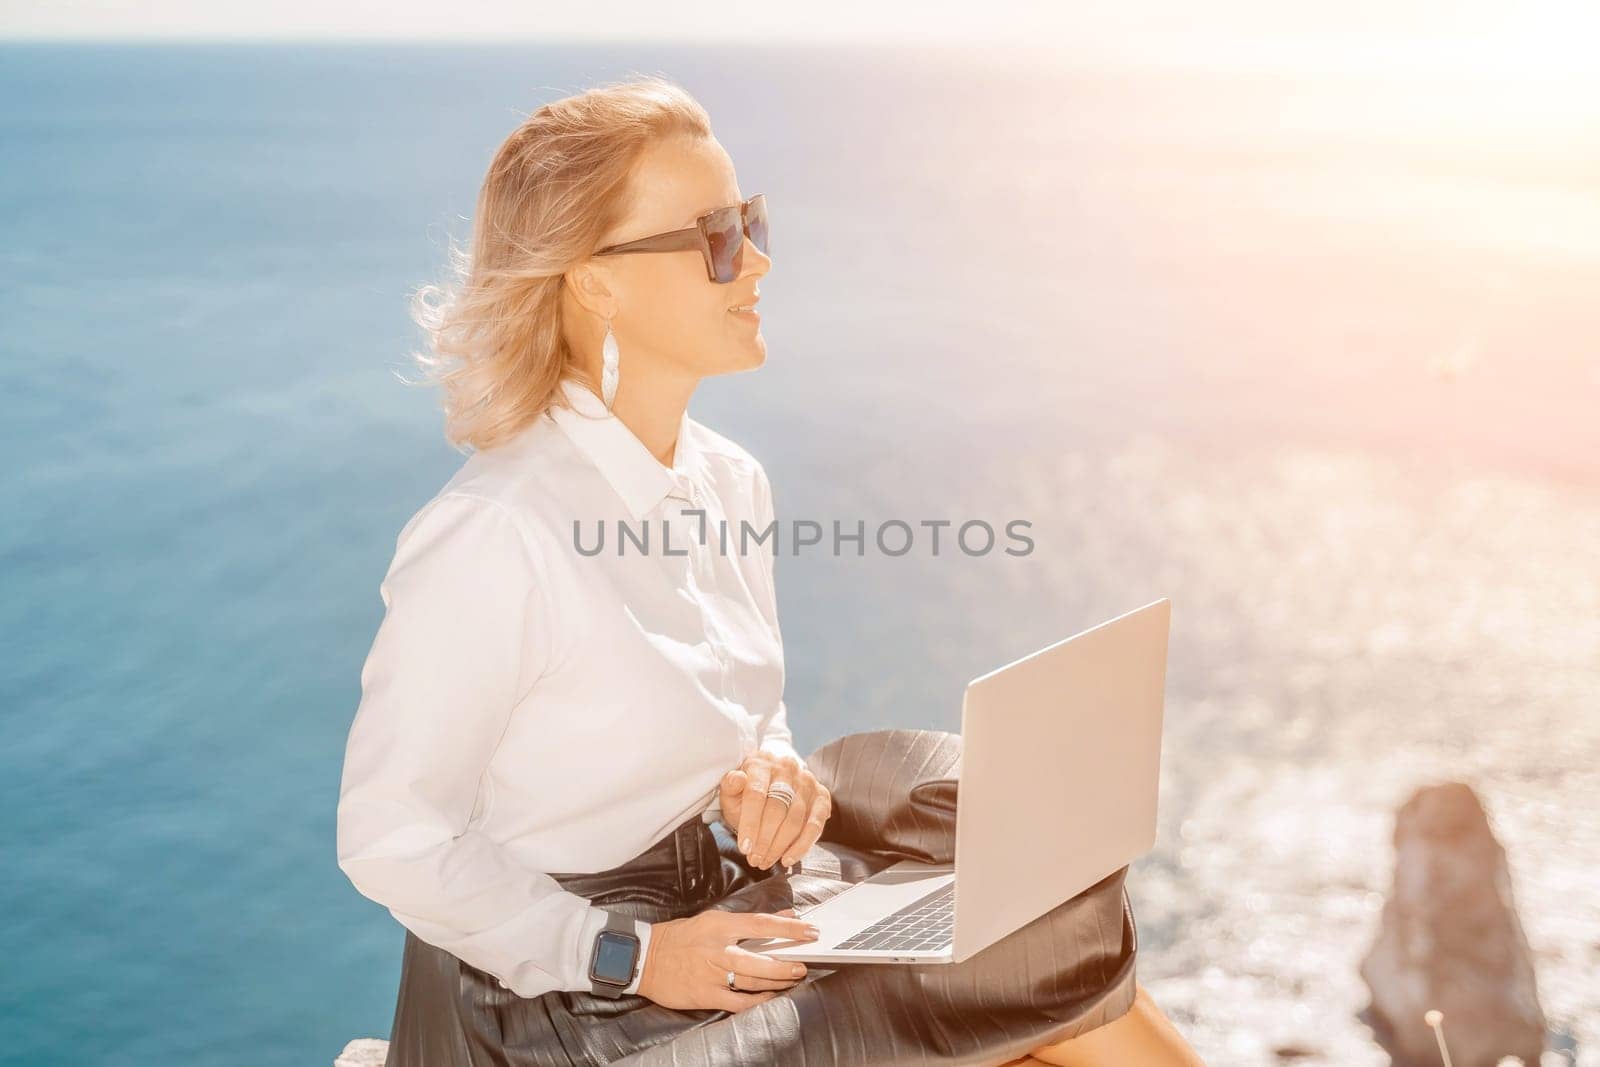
(590, 287)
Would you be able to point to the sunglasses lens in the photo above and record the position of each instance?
(726, 238)
(756, 217)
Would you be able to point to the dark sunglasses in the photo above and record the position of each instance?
(719, 235)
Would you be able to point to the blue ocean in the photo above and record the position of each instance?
(1315, 355)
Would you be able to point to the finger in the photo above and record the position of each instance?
(757, 775)
(743, 925)
(729, 795)
(788, 829)
(811, 830)
(772, 816)
(756, 975)
(785, 770)
(747, 983)
(747, 964)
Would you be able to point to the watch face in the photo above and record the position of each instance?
(614, 957)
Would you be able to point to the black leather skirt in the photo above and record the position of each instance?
(1066, 972)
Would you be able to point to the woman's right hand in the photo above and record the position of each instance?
(689, 959)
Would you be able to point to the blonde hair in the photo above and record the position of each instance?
(555, 186)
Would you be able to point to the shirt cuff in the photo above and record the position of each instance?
(780, 746)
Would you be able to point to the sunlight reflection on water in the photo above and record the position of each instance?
(1345, 629)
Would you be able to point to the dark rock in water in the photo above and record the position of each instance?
(1450, 940)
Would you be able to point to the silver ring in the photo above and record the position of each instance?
(730, 979)
(781, 791)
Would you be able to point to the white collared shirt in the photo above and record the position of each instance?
(527, 707)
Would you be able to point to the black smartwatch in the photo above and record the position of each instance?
(615, 959)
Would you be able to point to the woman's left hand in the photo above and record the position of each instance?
(768, 829)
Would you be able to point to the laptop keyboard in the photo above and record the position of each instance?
(925, 923)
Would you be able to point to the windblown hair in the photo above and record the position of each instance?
(555, 186)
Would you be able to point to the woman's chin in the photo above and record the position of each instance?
(758, 353)
(747, 355)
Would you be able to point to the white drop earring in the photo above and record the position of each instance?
(609, 356)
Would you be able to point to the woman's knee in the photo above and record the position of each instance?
(1143, 1035)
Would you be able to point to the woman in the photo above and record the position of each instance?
(575, 699)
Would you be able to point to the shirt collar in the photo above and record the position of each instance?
(638, 477)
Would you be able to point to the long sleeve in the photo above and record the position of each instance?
(774, 735)
(463, 640)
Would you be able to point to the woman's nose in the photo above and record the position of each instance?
(752, 260)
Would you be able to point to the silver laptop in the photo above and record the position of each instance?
(1061, 755)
